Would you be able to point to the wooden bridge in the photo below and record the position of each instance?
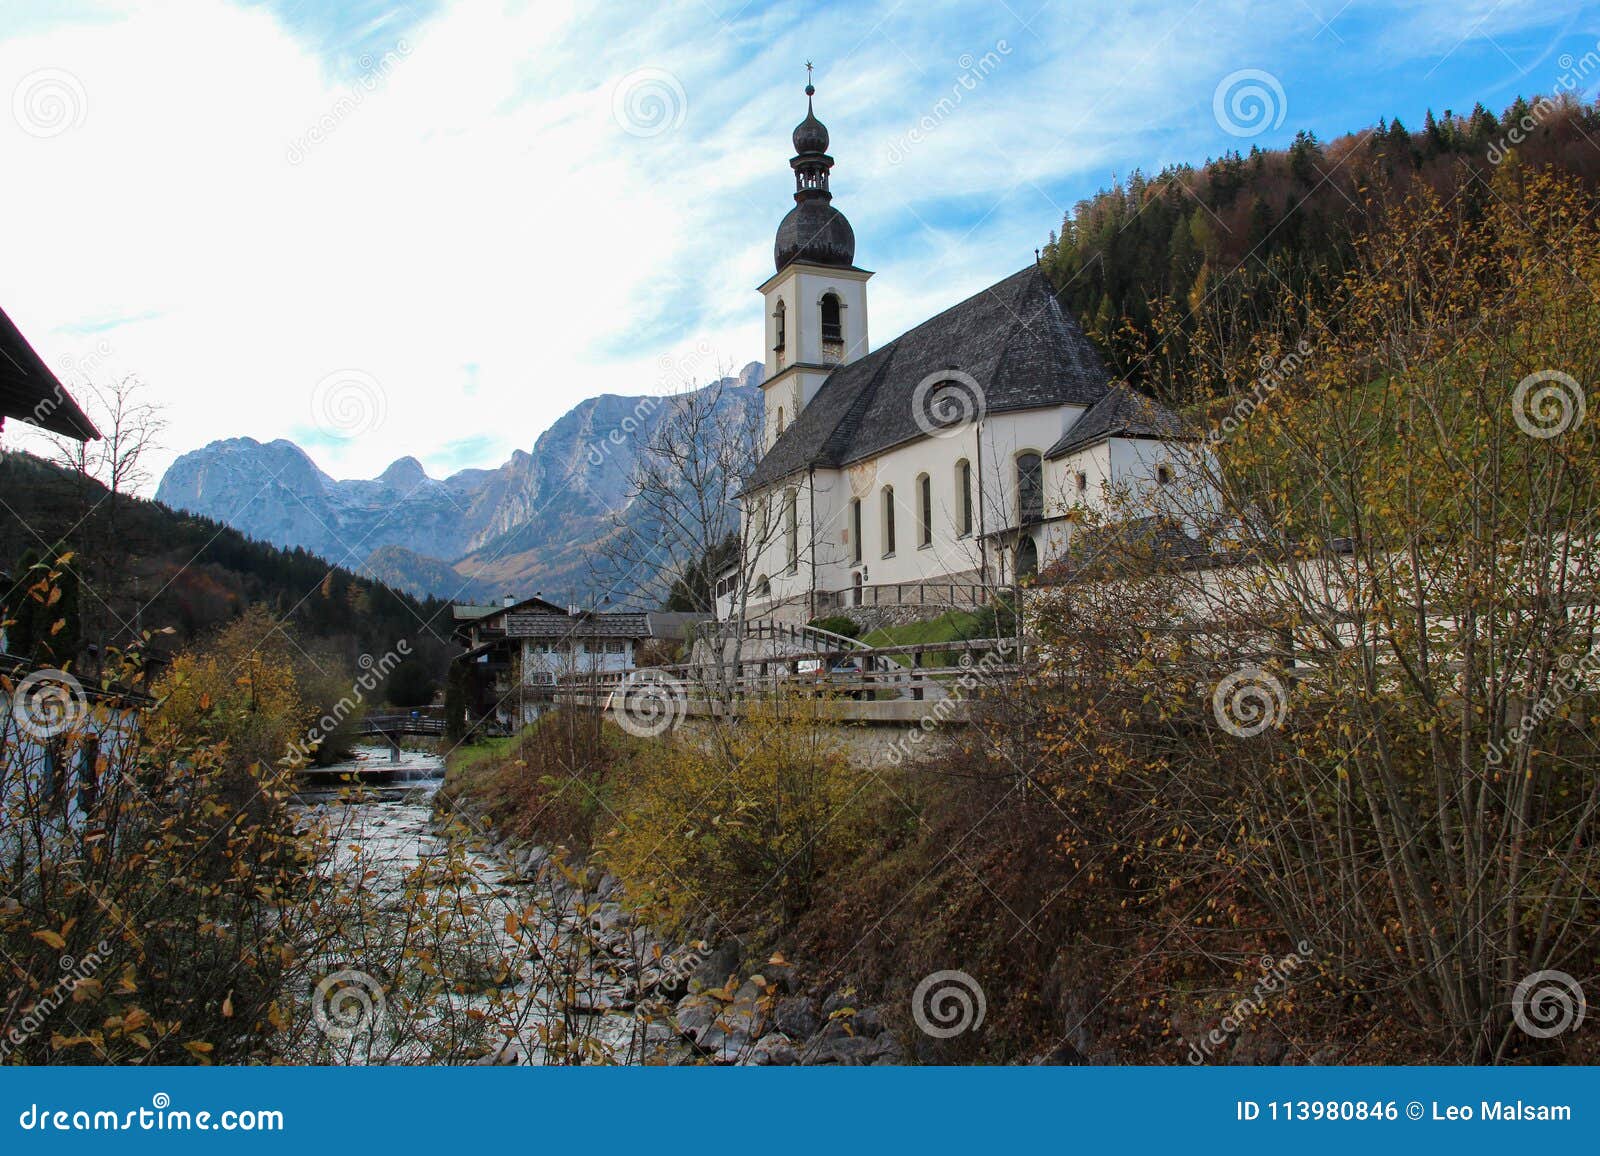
(426, 723)
(851, 681)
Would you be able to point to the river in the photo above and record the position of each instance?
(432, 947)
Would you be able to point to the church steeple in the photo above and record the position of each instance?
(814, 231)
(816, 303)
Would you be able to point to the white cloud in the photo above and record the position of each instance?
(479, 218)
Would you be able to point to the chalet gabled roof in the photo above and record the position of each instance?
(1012, 338)
(1121, 413)
(30, 392)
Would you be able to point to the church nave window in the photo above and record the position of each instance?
(1030, 486)
(964, 495)
(924, 511)
(888, 521)
(791, 530)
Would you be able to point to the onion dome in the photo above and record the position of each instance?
(814, 231)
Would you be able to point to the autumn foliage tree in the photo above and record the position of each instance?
(1365, 717)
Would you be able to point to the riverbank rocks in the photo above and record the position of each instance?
(717, 967)
(796, 1017)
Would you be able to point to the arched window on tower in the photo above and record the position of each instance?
(855, 531)
(779, 326)
(780, 421)
(832, 310)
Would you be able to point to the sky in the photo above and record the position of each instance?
(431, 228)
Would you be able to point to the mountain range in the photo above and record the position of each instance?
(534, 525)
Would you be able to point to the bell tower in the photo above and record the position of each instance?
(816, 302)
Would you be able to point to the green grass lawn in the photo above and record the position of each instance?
(952, 626)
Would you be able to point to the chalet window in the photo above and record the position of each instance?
(780, 325)
(924, 511)
(855, 530)
(791, 529)
(888, 521)
(964, 494)
(1030, 487)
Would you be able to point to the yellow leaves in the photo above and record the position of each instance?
(199, 1049)
(513, 924)
(50, 939)
(227, 1006)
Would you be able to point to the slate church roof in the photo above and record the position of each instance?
(1121, 413)
(1012, 338)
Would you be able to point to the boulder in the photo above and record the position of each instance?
(749, 1011)
(796, 1017)
(849, 1050)
(719, 966)
(695, 1014)
(772, 1050)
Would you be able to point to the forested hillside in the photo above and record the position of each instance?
(137, 566)
(1169, 273)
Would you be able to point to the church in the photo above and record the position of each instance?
(936, 468)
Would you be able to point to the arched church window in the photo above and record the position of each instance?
(780, 325)
(780, 421)
(924, 510)
(964, 495)
(1030, 486)
(791, 529)
(1027, 558)
(832, 318)
(888, 520)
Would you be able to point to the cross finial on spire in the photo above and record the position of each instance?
(810, 89)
